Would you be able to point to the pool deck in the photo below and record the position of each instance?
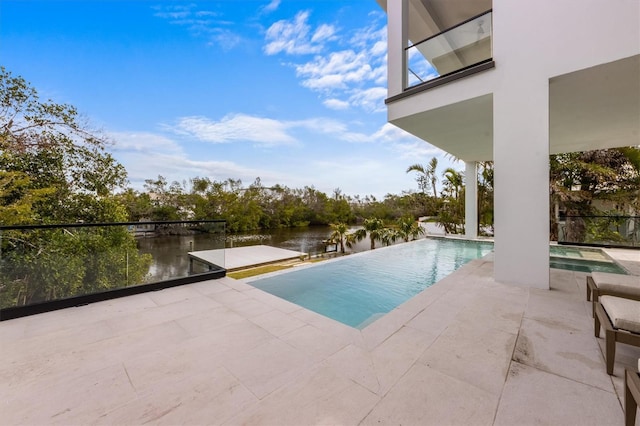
(467, 351)
(244, 257)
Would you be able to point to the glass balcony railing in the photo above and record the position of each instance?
(51, 266)
(465, 45)
(609, 230)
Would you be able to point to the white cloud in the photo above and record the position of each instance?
(405, 144)
(206, 24)
(236, 127)
(345, 78)
(291, 37)
(260, 130)
(371, 99)
(272, 6)
(143, 142)
(324, 32)
(336, 104)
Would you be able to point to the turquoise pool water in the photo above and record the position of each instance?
(360, 288)
(582, 259)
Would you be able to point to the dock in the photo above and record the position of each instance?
(245, 257)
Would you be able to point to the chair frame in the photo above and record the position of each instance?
(612, 336)
(594, 293)
(631, 396)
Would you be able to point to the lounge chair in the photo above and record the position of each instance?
(604, 283)
(620, 319)
(631, 395)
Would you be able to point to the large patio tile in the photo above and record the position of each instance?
(436, 318)
(532, 396)
(48, 322)
(210, 287)
(210, 397)
(208, 321)
(13, 331)
(553, 307)
(317, 344)
(277, 323)
(82, 360)
(501, 312)
(329, 325)
(561, 351)
(181, 308)
(567, 284)
(397, 354)
(462, 347)
(271, 300)
(357, 364)
(250, 307)
(233, 339)
(319, 397)
(198, 357)
(174, 294)
(422, 300)
(268, 366)
(425, 396)
(380, 330)
(15, 352)
(69, 400)
(229, 296)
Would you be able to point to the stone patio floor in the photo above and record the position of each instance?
(467, 351)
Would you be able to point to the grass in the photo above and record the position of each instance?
(252, 272)
(246, 273)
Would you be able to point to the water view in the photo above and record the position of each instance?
(170, 253)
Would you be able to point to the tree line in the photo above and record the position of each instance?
(54, 168)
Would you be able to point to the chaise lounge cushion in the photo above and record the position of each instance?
(624, 313)
(605, 281)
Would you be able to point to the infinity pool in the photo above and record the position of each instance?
(358, 289)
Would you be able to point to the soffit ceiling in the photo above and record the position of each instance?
(430, 17)
(594, 108)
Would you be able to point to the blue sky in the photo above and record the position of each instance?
(291, 91)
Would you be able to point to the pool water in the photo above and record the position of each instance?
(582, 259)
(360, 288)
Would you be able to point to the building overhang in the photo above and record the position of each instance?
(593, 108)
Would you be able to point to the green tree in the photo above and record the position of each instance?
(45, 146)
(338, 233)
(451, 215)
(427, 176)
(408, 228)
(582, 182)
(55, 169)
(374, 228)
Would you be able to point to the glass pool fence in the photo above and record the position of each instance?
(47, 267)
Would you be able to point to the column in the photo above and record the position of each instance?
(396, 42)
(471, 200)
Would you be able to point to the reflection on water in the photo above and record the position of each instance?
(170, 259)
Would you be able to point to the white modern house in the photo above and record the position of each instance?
(514, 81)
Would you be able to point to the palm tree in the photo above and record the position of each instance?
(389, 236)
(374, 227)
(454, 180)
(426, 176)
(339, 233)
(433, 165)
(422, 179)
(408, 228)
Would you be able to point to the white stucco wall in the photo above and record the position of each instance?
(533, 41)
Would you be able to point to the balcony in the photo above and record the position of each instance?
(459, 48)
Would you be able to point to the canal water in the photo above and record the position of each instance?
(170, 258)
